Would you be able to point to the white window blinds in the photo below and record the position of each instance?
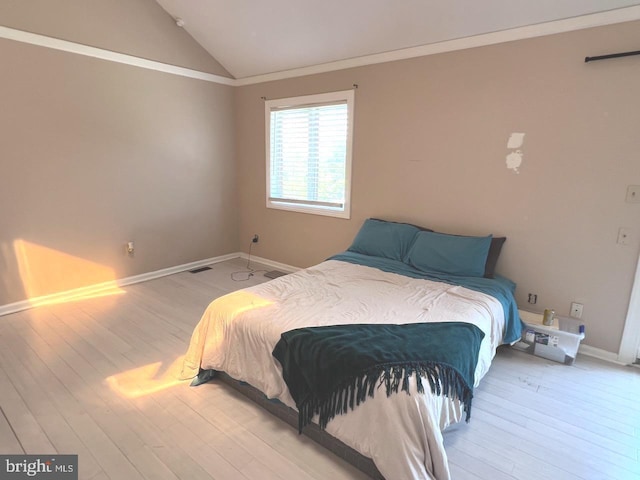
(309, 155)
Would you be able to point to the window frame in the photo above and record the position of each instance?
(320, 99)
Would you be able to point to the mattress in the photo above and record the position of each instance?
(401, 433)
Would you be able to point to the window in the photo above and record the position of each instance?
(309, 153)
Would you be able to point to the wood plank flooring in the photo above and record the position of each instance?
(94, 377)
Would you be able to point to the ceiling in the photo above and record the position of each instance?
(258, 37)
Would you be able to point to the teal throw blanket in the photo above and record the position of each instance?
(329, 370)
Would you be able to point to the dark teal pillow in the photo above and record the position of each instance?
(379, 238)
(492, 257)
(451, 254)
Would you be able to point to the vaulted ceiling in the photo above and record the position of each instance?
(257, 37)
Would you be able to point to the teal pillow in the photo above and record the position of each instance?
(451, 254)
(379, 238)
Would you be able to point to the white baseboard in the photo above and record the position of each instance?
(96, 288)
(270, 263)
(599, 353)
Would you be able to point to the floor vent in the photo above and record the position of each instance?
(201, 269)
(274, 274)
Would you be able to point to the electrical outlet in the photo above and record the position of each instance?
(576, 310)
(255, 238)
(130, 248)
(533, 298)
(633, 194)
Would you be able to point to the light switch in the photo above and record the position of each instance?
(624, 236)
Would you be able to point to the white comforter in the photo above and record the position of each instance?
(401, 433)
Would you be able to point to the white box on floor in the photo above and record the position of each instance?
(558, 342)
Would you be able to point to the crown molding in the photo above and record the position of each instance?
(102, 54)
(610, 17)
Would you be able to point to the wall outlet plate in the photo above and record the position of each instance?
(576, 310)
(633, 194)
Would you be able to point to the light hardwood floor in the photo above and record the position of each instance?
(93, 377)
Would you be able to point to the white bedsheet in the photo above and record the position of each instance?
(401, 433)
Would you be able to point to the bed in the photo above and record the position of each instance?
(393, 274)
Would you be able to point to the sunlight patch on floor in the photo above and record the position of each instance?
(146, 380)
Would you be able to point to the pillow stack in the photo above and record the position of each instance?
(427, 250)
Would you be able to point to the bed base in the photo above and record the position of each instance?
(290, 416)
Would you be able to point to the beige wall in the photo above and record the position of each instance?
(430, 145)
(136, 27)
(94, 154)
